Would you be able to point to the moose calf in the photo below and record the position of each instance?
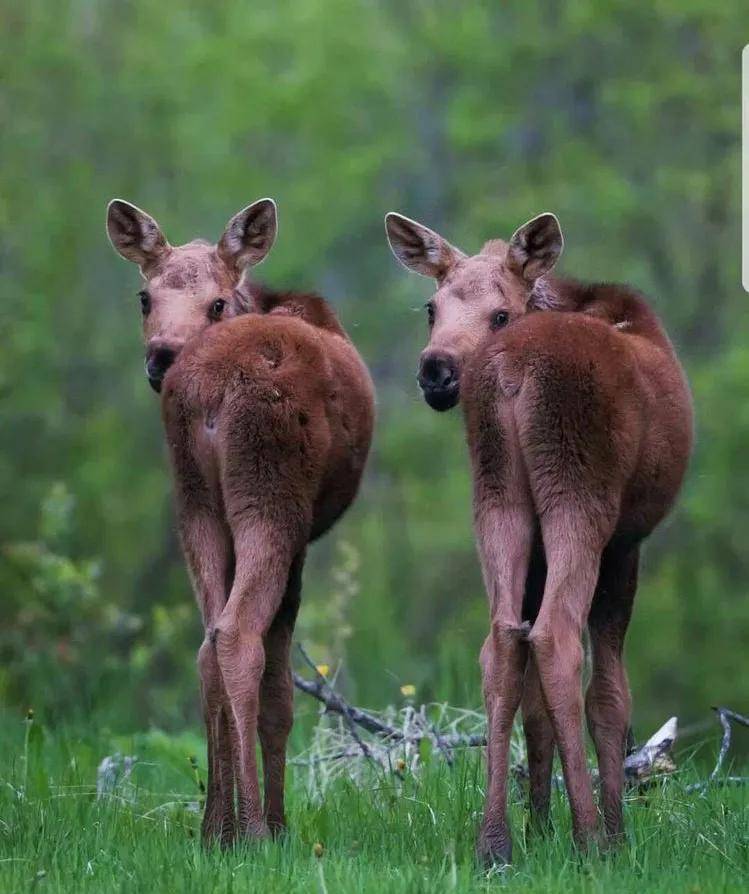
(579, 425)
(268, 411)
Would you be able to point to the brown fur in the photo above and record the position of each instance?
(579, 425)
(268, 418)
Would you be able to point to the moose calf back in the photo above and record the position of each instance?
(599, 401)
(276, 412)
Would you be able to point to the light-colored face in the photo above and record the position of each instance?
(189, 287)
(475, 295)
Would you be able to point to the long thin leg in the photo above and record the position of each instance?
(556, 645)
(277, 699)
(218, 818)
(505, 536)
(207, 545)
(539, 733)
(607, 701)
(539, 737)
(263, 561)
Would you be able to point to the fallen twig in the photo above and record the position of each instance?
(465, 730)
(346, 709)
(324, 692)
(334, 703)
(390, 741)
(654, 756)
(725, 716)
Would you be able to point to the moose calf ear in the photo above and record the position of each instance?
(535, 247)
(134, 234)
(418, 248)
(249, 235)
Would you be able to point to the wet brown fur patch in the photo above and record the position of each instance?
(309, 306)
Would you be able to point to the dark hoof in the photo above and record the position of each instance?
(494, 848)
(256, 831)
(215, 833)
(277, 828)
(588, 845)
(613, 841)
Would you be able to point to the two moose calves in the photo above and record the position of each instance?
(578, 420)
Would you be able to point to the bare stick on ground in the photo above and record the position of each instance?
(398, 734)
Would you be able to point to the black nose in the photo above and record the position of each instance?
(438, 379)
(437, 371)
(158, 360)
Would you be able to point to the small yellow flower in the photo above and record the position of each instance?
(318, 850)
(322, 669)
(400, 765)
(408, 690)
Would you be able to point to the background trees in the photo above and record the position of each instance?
(622, 118)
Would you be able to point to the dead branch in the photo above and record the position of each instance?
(346, 709)
(334, 703)
(642, 766)
(654, 756)
(725, 717)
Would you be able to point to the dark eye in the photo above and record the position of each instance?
(499, 319)
(430, 313)
(217, 308)
(145, 302)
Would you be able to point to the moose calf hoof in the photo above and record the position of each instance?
(277, 827)
(613, 841)
(494, 847)
(215, 832)
(257, 830)
(589, 844)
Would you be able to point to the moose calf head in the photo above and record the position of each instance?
(475, 295)
(188, 287)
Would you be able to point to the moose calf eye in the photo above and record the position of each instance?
(499, 319)
(430, 313)
(145, 302)
(217, 308)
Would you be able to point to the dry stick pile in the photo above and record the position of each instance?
(398, 739)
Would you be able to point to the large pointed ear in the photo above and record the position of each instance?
(134, 234)
(249, 235)
(535, 247)
(418, 248)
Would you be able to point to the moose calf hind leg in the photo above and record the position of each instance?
(208, 550)
(277, 700)
(607, 706)
(503, 659)
(274, 726)
(539, 737)
(556, 645)
(505, 535)
(241, 658)
(607, 701)
(262, 570)
(218, 818)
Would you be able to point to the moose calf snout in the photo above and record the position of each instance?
(160, 355)
(439, 380)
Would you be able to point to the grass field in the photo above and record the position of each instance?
(396, 835)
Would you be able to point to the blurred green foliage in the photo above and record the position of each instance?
(622, 117)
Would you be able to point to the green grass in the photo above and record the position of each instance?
(410, 835)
